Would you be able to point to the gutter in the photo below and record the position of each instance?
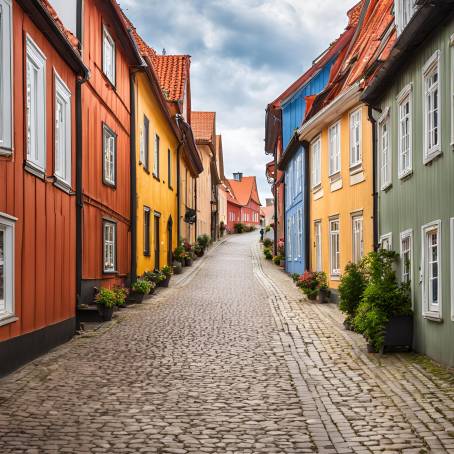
(331, 112)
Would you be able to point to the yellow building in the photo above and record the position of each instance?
(341, 185)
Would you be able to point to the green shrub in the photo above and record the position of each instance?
(120, 295)
(295, 277)
(154, 276)
(351, 289)
(267, 242)
(106, 297)
(239, 228)
(203, 241)
(167, 271)
(143, 286)
(277, 259)
(268, 255)
(382, 299)
(178, 253)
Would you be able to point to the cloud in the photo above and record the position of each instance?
(244, 54)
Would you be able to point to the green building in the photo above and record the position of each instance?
(412, 100)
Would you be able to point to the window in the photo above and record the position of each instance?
(300, 233)
(355, 138)
(299, 174)
(110, 241)
(289, 238)
(62, 132)
(406, 259)
(334, 247)
(432, 124)
(386, 242)
(404, 11)
(6, 76)
(316, 162)
(108, 56)
(109, 145)
(431, 278)
(451, 42)
(146, 231)
(318, 245)
(169, 168)
(405, 132)
(357, 237)
(334, 149)
(145, 142)
(384, 143)
(452, 268)
(36, 106)
(156, 156)
(7, 225)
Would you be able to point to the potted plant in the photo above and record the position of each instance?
(188, 259)
(351, 289)
(198, 250)
(277, 260)
(120, 296)
(140, 289)
(167, 273)
(222, 228)
(384, 315)
(267, 243)
(203, 241)
(177, 267)
(323, 289)
(295, 277)
(268, 254)
(106, 301)
(308, 283)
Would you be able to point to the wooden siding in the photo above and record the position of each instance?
(188, 185)
(204, 193)
(426, 195)
(45, 290)
(103, 103)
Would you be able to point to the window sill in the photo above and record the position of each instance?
(31, 168)
(405, 175)
(108, 81)
(6, 151)
(433, 317)
(386, 187)
(432, 156)
(335, 176)
(8, 319)
(156, 177)
(63, 186)
(316, 188)
(335, 277)
(109, 273)
(356, 168)
(145, 170)
(336, 184)
(108, 184)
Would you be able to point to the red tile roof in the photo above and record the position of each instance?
(204, 126)
(69, 36)
(245, 190)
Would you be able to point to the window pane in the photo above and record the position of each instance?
(2, 271)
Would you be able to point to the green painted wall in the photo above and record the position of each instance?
(428, 194)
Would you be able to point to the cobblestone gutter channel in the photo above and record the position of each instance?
(353, 401)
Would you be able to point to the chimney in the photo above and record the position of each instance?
(238, 176)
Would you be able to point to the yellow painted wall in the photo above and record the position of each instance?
(350, 199)
(204, 193)
(152, 192)
(187, 200)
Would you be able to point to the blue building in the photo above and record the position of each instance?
(294, 160)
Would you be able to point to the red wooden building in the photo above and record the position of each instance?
(243, 202)
(104, 189)
(39, 67)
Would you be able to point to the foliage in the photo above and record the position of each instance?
(154, 276)
(120, 295)
(239, 227)
(267, 242)
(178, 253)
(143, 286)
(187, 246)
(106, 297)
(203, 241)
(267, 229)
(382, 299)
(167, 271)
(295, 277)
(311, 283)
(352, 285)
(281, 247)
(277, 259)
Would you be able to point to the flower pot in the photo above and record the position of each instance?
(371, 348)
(323, 296)
(188, 261)
(165, 282)
(105, 312)
(177, 267)
(135, 298)
(199, 253)
(399, 332)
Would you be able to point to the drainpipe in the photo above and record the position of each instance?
(307, 240)
(195, 206)
(275, 204)
(178, 193)
(285, 224)
(133, 178)
(370, 114)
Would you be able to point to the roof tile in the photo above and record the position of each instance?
(204, 126)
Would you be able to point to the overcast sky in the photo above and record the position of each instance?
(244, 54)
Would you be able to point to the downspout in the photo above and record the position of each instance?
(374, 177)
(178, 193)
(285, 225)
(133, 178)
(307, 199)
(275, 204)
(195, 206)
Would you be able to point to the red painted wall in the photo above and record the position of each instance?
(45, 241)
(233, 215)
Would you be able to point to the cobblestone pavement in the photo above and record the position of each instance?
(229, 360)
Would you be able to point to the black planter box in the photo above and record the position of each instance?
(399, 333)
(135, 298)
(165, 282)
(105, 312)
(188, 262)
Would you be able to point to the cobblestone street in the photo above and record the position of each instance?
(228, 360)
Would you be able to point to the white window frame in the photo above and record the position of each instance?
(107, 243)
(318, 245)
(451, 44)
(334, 150)
(36, 143)
(357, 249)
(6, 77)
(107, 39)
(289, 239)
(385, 178)
(7, 225)
(400, 6)
(407, 234)
(431, 310)
(300, 233)
(386, 238)
(334, 271)
(109, 163)
(432, 64)
(299, 173)
(405, 96)
(451, 235)
(156, 157)
(356, 154)
(63, 140)
(316, 156)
